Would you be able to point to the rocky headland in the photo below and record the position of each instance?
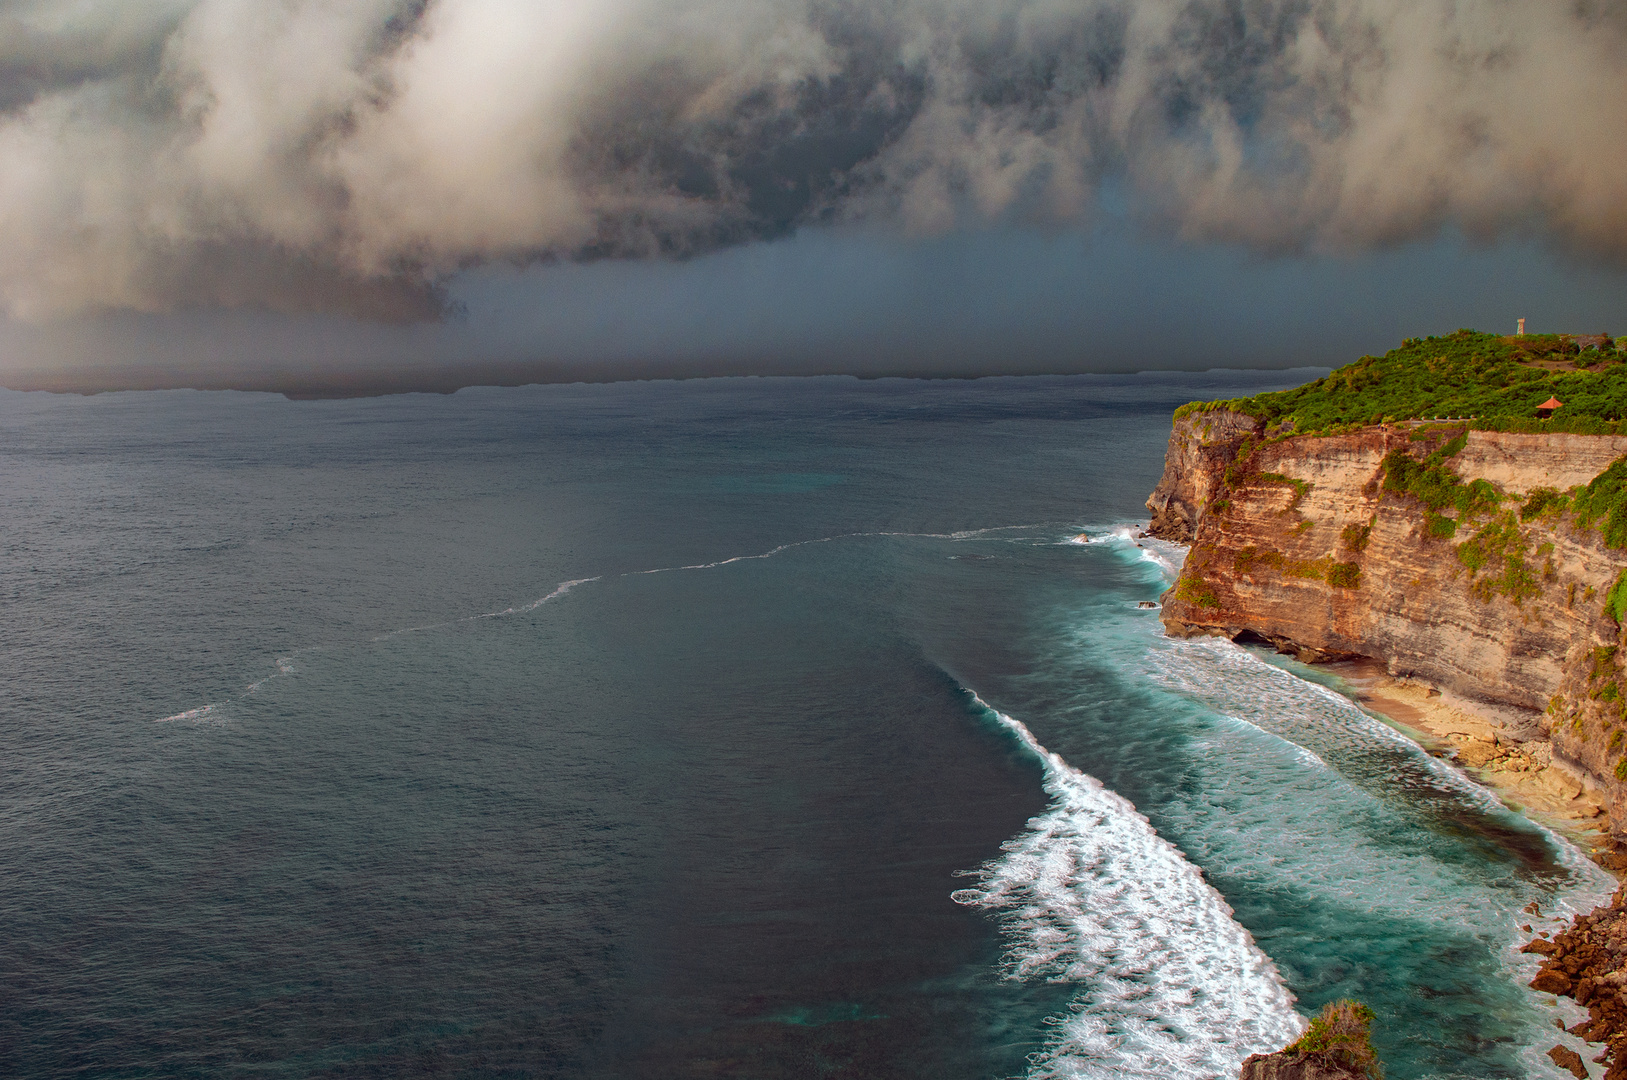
(1489, 631)
(1422, 521)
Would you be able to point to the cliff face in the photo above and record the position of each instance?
(1585, 719)
(1302, 543)
(1199, 452)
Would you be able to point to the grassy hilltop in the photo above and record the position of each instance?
(1498, 381)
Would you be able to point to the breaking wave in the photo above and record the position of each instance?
(1170, 985)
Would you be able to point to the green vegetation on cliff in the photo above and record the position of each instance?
(1432, 482)
(1341, 1037)
(1603, 503)
(1498, 381)
(1496, 555)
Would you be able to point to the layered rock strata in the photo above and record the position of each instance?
(1301, 542)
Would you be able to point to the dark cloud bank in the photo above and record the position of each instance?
(348, 157)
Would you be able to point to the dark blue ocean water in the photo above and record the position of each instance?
(313, 762)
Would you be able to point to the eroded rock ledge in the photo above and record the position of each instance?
(1299, 542)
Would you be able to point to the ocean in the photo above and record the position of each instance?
(743, 728)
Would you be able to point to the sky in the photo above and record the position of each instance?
(353, 195)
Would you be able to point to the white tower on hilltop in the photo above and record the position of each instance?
(1521, 331)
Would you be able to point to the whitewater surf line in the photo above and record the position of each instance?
(190, 714)
(284, 663)
(1171, 986)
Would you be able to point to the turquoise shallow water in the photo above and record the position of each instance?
(753, 728)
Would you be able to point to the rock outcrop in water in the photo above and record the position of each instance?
(1588, 962)
(1336, 1045)
(1451, 557)
(1285, 1066)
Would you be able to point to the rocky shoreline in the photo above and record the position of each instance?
(1588, 963)
(1586, 960)
(1491, 640)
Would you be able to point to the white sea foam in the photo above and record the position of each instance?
(1288, 815)
(1239, 684)
(199, 713)
(1166, 555)
(769, 554)
(1123, 534)
(1161, 554)
(516, 609)
(1171, 987)
(560, 590)
(963, 534)
(1310, 719)
(285, 666)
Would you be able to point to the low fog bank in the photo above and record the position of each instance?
(831, 301)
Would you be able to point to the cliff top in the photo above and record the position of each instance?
(1500, 381)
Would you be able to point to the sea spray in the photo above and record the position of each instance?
(1170, 985)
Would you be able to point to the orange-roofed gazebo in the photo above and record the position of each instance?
(1546, 409)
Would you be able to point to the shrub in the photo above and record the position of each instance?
(1440, 526)
(1603, 655)
(1300, 486)
(1355, 537)
(1434, 484)
(1195, 590)
(1543, 500)
(1615, 601)
(1245, 559)
(1499, 381)
(1342, 1036)
(1344, 575)
(1605, 497)
(1500, 546)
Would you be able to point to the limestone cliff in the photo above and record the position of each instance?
(1422, 547)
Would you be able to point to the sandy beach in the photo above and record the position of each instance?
(1521, 772)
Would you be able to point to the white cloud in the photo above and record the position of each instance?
(347, 154)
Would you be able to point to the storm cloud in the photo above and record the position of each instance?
(350, 155)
